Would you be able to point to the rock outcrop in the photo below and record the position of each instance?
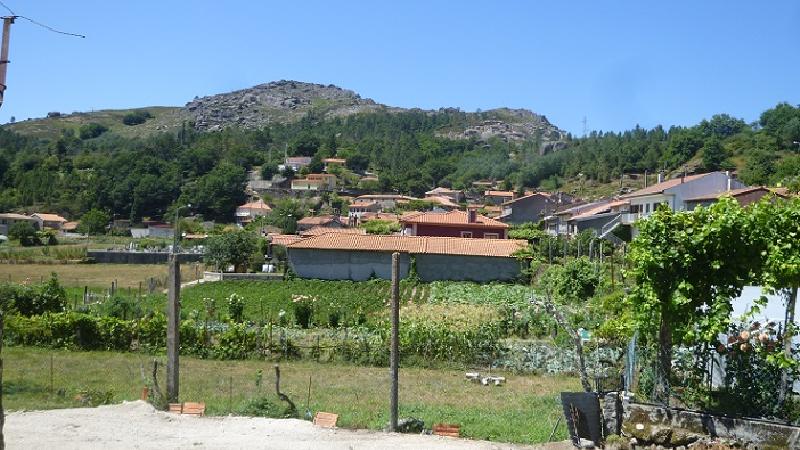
(276, 102)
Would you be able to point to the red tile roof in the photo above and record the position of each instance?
(413, 244)
(599, 209)
(451, 218)
(47, 217)
(316, 231)
(499, 193)
(284, 239)
(318, 220)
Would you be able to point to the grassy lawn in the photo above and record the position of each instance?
(524, 410)
(93, 275)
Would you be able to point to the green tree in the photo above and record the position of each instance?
(24, 232)
(714, 156)
(268, 171)
(94, 221)
(285, 215)
(233, 248)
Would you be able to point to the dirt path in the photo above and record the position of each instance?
(138, 425)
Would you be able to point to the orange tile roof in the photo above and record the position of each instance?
(69, 226)
(413, 244)
(317, 220)
(379, 216)
(664, 185)
(334, 160)
(441, 200)
(255, 205)
(316, 231)
(284, 239)
(499, 193)
(47, 217)
(451, 218)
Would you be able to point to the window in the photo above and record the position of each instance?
(647, 208)
(491, 235)
(466, 234)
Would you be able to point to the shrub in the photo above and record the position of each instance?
(91, 130)
(136, 117)
(264, 406)
(236, 308)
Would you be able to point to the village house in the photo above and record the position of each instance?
(497, 197)
(249, 211)
(360, 208)
(383, 201)
(327, 221)
(744, 196)
(51, 221)
(336, 256)
(455, 196)
(333, 162)
(463, 224)
(7, 220)
(315, 182)
(533, 207)
(674, 193)
(295, 163)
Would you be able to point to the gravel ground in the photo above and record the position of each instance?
(138, 425)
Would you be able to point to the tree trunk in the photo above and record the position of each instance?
(664, 364)
(788, 333)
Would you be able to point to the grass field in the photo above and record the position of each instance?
(93, 275)
(524, 410)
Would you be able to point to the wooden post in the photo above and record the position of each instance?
(2, 413)
(173, 328)
(7, 21)
(394, 353)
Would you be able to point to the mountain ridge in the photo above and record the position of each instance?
(288, 101)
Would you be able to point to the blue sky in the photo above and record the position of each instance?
(618, 63)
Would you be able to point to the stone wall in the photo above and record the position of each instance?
(647, 426)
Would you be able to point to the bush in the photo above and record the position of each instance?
(236, 308)
(136, 117)
(263, 406)
(28, 300)
(91, 130)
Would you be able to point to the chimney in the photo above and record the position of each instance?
(660, 176)
(472, 215)
(645, 179)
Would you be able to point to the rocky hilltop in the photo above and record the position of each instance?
(276, 102)
(512, 125)
(286, 102)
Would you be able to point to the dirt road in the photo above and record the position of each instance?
(138, 425)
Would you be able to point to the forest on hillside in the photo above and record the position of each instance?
(145, 177)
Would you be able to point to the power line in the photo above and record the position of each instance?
(49, 28)
(9, 9)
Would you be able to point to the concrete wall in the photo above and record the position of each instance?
(344, 265)
(360, 265)
(106, 257)
(530, 209)
(466, 268)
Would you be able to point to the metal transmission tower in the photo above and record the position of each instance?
(585, 130)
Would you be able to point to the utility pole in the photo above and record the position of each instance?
(394, 352)
(174, 314)
(7, 21)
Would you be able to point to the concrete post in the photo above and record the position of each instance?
(394, 353)
(173, 327)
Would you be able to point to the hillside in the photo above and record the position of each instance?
(286, 102)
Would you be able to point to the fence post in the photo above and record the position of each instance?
(230, 394)
(394, 350)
